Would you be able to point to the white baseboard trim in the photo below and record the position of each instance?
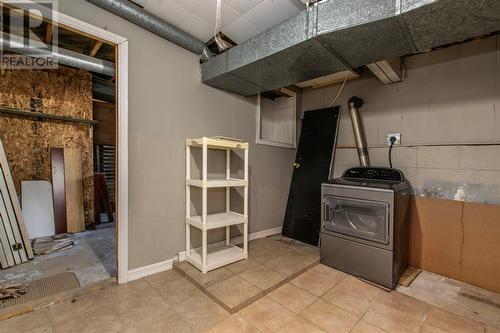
(239, 239)
(265, 233)
(141, 272)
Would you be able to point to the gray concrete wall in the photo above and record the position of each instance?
(448, 113)
(167, 104)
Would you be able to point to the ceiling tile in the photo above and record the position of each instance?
(198, 27)
(265, 15)
(290, 7)
(242, 6)
(167, 10)
(189, 5)
(208, 10)
(240, 30)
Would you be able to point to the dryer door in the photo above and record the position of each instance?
(357, 218)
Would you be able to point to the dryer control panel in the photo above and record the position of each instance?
(374, 173)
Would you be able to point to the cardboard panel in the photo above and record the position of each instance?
(480, 258)
(436, 235)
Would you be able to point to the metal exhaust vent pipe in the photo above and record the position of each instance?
(136, 15)
(355, 103)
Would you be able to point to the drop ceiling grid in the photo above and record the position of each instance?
(241, 19)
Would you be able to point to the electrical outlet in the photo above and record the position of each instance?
(398, 138)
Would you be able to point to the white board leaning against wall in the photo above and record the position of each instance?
(38, 208)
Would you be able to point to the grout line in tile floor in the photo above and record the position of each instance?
(273, 262)
(249, 301)
(357, 321)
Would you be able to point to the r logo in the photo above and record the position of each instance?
(29, 33)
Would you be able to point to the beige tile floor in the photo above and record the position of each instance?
(319, 300)
(272, 262)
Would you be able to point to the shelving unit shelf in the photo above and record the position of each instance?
(207, 258)
(218, 256)
(211, 183)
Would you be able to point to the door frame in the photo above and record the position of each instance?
(121, 47)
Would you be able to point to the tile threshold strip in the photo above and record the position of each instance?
(252, 299)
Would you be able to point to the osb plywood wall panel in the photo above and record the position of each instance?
(456, 239)
(65, 91)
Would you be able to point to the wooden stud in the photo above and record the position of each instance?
(96, 48)
(49, 33)
(387, 71)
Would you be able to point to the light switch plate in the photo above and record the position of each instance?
(398, 138)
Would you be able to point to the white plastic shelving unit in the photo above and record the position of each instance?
(208, 258)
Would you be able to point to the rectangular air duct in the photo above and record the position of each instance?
(336, 35)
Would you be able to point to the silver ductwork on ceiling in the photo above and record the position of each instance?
(334, 35)
(14, 44)
(136, 15)
(354, 104)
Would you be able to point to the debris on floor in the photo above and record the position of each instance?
(409, 275)
(13, 291)
(45, 287)
(51, 244)
(456, 296)
(92, 258)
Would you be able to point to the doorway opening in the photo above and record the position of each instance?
(63, 131)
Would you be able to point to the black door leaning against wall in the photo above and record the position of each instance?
(314, 160)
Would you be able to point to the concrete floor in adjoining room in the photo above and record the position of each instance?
(319, 300)
(92, 259)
